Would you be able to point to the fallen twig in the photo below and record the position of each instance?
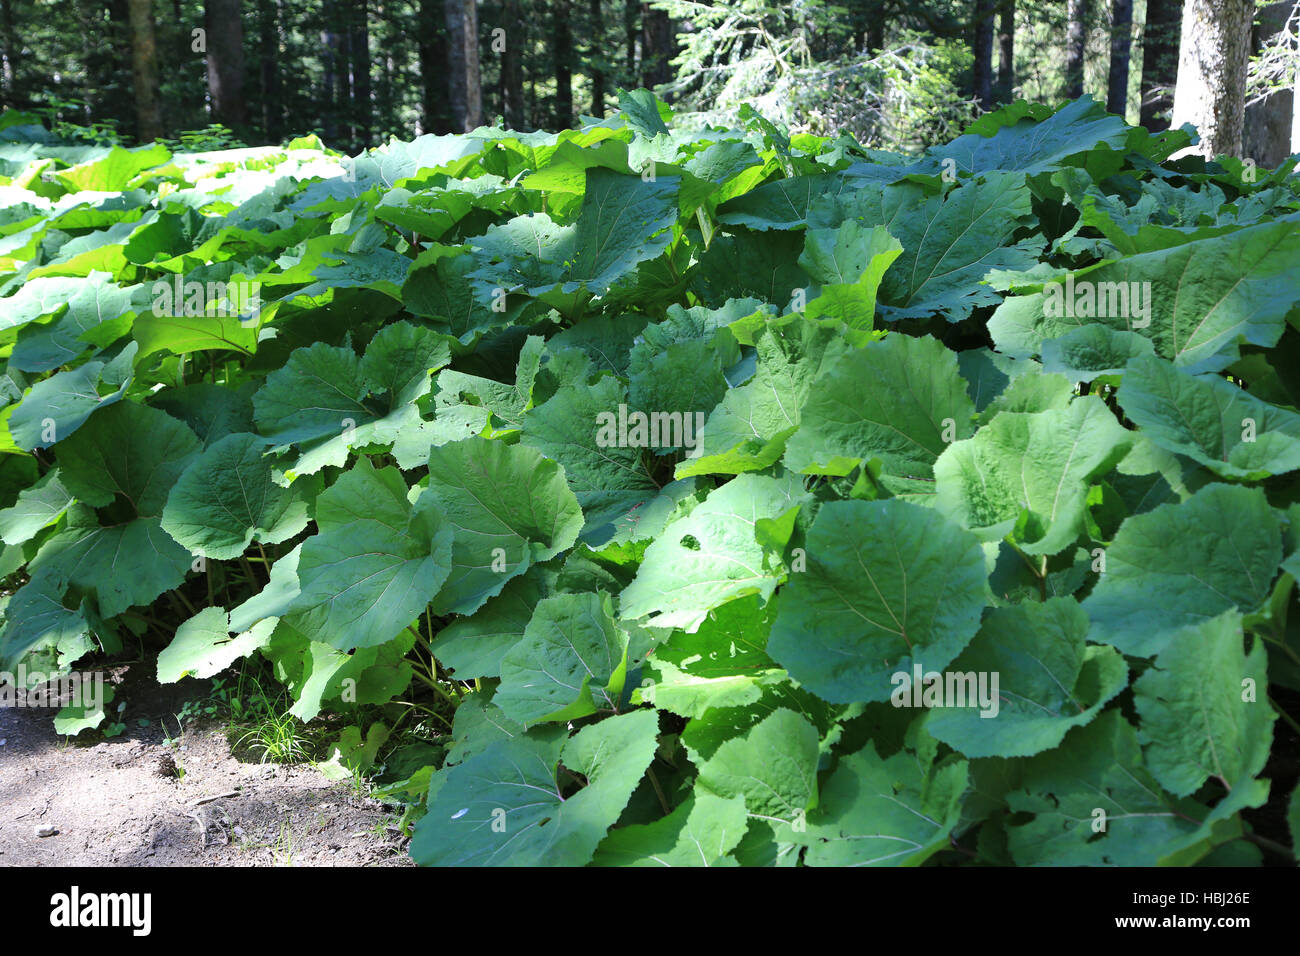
(221, 796)
(41, 812)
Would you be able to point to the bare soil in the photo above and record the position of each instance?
(116, 801)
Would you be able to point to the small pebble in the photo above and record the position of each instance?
(48, 830)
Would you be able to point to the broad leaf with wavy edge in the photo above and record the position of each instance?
(376, 563)
(1048, 681)
(570, 661)
(1184, 563)
(509, 508)
(888, 583)
(1210, 420)
(512, 784)
(1041, 463)
(710, 556)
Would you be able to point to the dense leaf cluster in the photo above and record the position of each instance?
(675, 455)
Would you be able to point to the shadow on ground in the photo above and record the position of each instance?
(117, 803)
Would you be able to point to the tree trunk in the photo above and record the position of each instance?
(1007, 48)
(982, 48)
(875, 36)
(1159, 62)
(384, 82)
(144, 71)
(631, 30)
(462, 65)
(1295, 113)
(269, 41)
(1121, 43)
(329, 48)
(657, 44)
(1214, 54)
(596, 56)
(435, 91)
(1295, 104)
(225, 35)
(9, 83)
(562, 50)
(106, 58)
(512, 87)
(361, 91)
(1075, 38)
(343, 65)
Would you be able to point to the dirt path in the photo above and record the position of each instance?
(111, 805)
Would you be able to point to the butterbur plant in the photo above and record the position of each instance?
(736, 497)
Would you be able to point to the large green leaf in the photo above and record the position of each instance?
(900, 400)
(98, 313)
(1182, 564)
(35, 617)
(1199, 302)
(512, 784)
(850, 262)
(702, 831)
(1048, 680)
(722, 664)
(624, 220)
(1210, 420)
(949, 242)
(1094, 803)
(122, 565)
(570, 662)
(783, 203)
(1012, 140)
(439, 287)
(509, 508)
(1039, 463)
(608, 479)
(895, 811)
(709, 556)
(1223, 730)
(328, 401)
(773, 766)
(748, 429)
(129, 451)
(376, 563)
(227, 498)
(59, 405)
(399, 361)
(203, 646)
(1087, 352)
(114, 170)
(888, 584)
(37, 507)
(474, 646)
(318, 392)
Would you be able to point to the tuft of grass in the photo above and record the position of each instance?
(256, 710)
(282, 852)
(278, 737)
